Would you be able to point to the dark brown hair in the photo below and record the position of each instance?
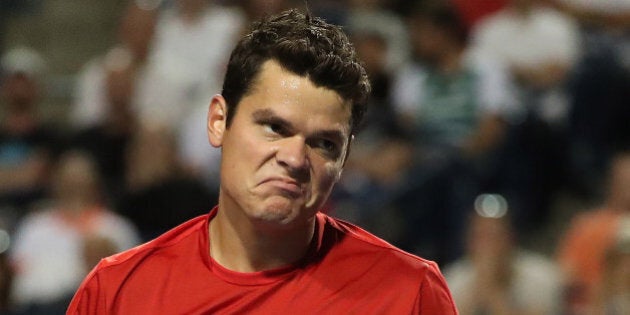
(304, 45)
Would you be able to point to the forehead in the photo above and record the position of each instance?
(283, 91)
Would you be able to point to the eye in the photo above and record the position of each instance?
(329, 147)
(274, 128)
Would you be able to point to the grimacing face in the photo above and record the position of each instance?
(284, 150)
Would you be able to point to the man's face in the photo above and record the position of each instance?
(284, 149)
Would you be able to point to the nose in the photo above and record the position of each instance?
(292, 153)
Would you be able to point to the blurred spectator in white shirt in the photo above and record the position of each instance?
(540, 45)
(497, 276)
(48, 252)
(374, 16)
(193, 39)
(135, 34)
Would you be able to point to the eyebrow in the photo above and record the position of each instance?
(268, 115)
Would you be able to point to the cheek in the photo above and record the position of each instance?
(237, 157)
(244, 144)
(329, 175)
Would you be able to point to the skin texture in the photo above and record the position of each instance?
(281, 156)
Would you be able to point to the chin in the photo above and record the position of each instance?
(277, 212)
(283, 214)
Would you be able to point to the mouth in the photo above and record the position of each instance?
(285, 185)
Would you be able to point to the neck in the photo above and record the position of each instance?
(241, 245)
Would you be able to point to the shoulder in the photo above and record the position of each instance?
(166, 240)
(134, 266)
(355, 259)
(365, 246)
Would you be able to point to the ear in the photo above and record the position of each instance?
(217, 115)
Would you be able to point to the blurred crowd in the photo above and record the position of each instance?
(484, 113)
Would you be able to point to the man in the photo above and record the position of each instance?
(27, 142)
(456, 107)
(582, 249)
(293, 95)
(497, 275)
(47, 250)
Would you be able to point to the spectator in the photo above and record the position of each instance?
(193, 39)
(454, 106)
(135, 34)
(27, 144)
(373, 16)
(598, 91)
(47, 252)
(184, 67)
(582, 248)
(108, 140)
(614, 296)
(497, 276)
(159, 195)
(539, 45)
(380, 154)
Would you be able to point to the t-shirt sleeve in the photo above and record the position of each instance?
(89, 298)
(434, 297)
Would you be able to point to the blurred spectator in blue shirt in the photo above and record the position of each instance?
(27, 144)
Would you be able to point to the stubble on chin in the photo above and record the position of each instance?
(281, 211)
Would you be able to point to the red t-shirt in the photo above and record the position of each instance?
(347, 271)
